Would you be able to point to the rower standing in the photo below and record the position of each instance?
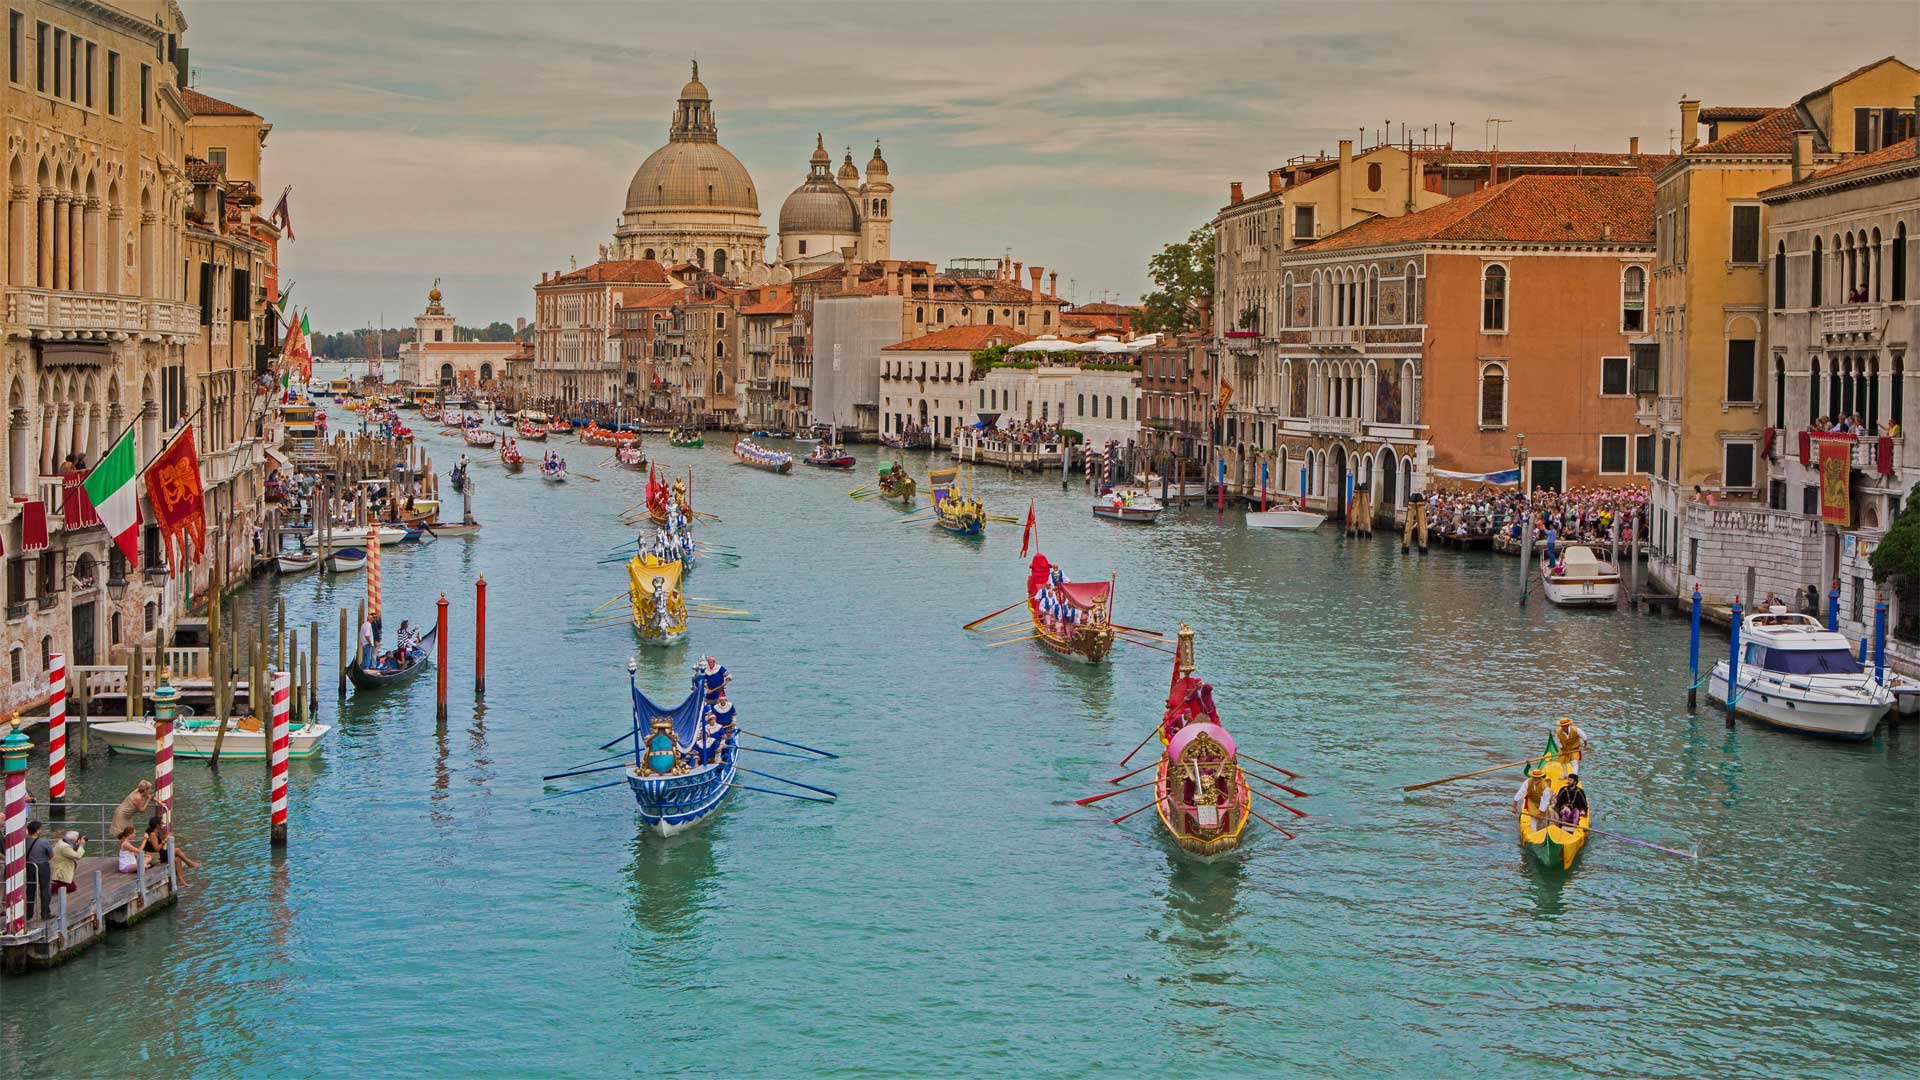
(1571, 741)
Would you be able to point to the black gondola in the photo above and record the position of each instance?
(375, 680)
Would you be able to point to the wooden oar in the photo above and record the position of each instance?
(1122, 776)
(1288, 773)
(1023, 624)
(611, 602)
(1278, 803)
(1130, 813)
(1145, 644)
(584, 790)
(782, 742)
(1111, 794)
(770, 791)
(1143, 742)
(1009, 641)
(1552, 822)
(1137, 630)
(583, 772)
(1003, 610)
(1295, 792)
(1270, 824)
(784, 780)
(1478, 772)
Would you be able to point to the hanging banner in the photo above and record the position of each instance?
(1836, 482)
(179, 504)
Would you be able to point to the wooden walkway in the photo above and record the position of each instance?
(102, 899)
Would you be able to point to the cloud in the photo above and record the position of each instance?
(497, 137)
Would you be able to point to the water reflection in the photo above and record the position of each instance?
(670, 881)
(1204, 900)
(1546, 885)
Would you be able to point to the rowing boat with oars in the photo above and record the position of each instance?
(377, 678)
(532, 430)
(958, 514)
(829, 457)
(595, 435)
(660, 497)
(896, 483)
(692, 440)
(1073, 618)
(479, 436)
(1200, 793)
(510, 456)
(748, 452)
(659, 611)
(1554, 843)
(631, 456)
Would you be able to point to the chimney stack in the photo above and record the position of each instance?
(1689, 123)
(1016, 272)
(1036, 272)
(1802, 155)
(847, 277)
(543, 277)
(1053, 283)
(1633, 146)
(1346, 151)
(1276, 179)
(1234, 195)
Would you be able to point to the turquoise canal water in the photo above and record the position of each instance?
(955, 914)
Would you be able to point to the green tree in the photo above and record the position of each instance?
(1183, 273)
(1898, 554)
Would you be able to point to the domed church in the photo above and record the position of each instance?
(693, 202)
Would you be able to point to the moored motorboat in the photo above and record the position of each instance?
(1122, 506)
(294, 562)
(1285, 514)
(1580, 579)
(193, 737)
(1797, 674)
(347, 560)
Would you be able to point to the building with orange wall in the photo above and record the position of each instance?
(1429, 343)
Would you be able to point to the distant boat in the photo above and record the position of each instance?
(294, 562)
(347, 560)
(1115, 506)
(1287, 514)
(375, 679)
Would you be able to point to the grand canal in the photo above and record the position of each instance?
(954, 913)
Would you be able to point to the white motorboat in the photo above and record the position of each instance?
(193, 738)
(1797, 674)
(355, 536)
(347, 560)
(294, 562)
(1581, 579)
(1906, 694)
(1122, 506)
(1288, 514)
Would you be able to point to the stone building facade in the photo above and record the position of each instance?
(437, 357)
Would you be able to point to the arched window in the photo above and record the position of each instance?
(920, 314)
(1413, 294)
(1109, 406)
(1373, 177)
(719, 382)
(1373, 293)
(1046, 318)
(648, 254)
(719, 349)
(1493, 396)
(989, 316)
(1780, 392)
(1123, 408)
(1633, 300)
(719, 262)
(1080, 405)
(1286, 300)
(113, 629)
(1493, 300)
(1780, 275)
(700, 257)
(1899, 269)
(1814, 270)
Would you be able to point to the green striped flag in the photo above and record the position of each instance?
(110, 488)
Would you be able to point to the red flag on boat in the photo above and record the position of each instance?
(1026, 536)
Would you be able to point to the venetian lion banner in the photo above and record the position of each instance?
(1836, 477)
(179, 503)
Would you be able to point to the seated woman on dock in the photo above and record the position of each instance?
(132, 858)
(155, 845)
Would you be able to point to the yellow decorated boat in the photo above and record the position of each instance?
(659, 611)
(1553, 844)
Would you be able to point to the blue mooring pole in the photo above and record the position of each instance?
(1863, 650)
(1733, 663)
(1833, 606)
(1693, 654)
(1880, 639)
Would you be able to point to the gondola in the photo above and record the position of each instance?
(510, 457)
(1552, 844)
(457, 478)
(631, 456)
(553, 471)
(896, 483)
(367, 679)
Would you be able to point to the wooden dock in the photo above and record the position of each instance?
(103, 899)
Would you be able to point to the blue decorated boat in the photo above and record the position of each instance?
(683, 764)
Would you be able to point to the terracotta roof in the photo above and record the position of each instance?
(1900, 151)
(1530, 209)
(200, 104)
(1771, 134)
(658, 298)
(825, 273)
(1715, 113)
(1647, 164)
(202, 172)
(1105, 309)
(783, 306)
(1090, 322)
(962, 339)
(624, 271)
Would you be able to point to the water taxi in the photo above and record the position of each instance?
(1797, 674)
(1288, 513)
(1581, 579)
(1125, 506)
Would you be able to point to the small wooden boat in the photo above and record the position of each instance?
(295, 562)
(531, 431)
(1580, 579)
(653, 587)
(347, 560)
(442, 529)
(690, 439)
(1120, 506)
(558, 427)
(595, 435)
(379, 679)
(355, 536)
(1552, 843)
(747, 452)
(631, 456)
(896, 483)
(193, 737)
(1287, 514)
(510, 456)
(952, 511)
(458, 477)
(481, 437)
(430, 412)
(829, 457)
(553, 472)
(1072, 618)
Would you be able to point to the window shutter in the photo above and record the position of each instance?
(1861, 123)
(242, 295)
(206, 294)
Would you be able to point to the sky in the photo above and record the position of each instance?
(486, 141)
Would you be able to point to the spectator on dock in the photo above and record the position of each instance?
(39, 871)
(132, 857)
(66, 859)
(155, 845)
(133, 806)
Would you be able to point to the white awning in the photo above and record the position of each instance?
(285, 462)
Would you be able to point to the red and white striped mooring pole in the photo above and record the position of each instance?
(13, 766)
(166, 701)
(277, 762)
(57, 736)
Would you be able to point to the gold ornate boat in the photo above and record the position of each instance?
(659, 610)
(1073, 618)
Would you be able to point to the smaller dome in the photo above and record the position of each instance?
(848, 170)
(876, 165)
(820, 155)
(433, 296)
(695, 89)
(815, 208)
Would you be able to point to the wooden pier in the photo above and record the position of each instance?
(103, 899)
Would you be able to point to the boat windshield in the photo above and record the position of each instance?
(1812, 662)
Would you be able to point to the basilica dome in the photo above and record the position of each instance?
(819, 205)
(689, 174)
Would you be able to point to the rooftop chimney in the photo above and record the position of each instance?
(1346, 150)
(1036, 272)
(1053, 283)
(1016, 272)
(1633, 146)
(1276, 179)
(1802, 155)
(847, 276)
(543, 277)
(1234, 195)
(1689, 123)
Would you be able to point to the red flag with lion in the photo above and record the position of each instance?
(179, 503)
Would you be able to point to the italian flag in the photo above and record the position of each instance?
(111, 489)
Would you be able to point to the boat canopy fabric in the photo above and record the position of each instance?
(1581, 560)
(1083, 594)
(642, 569)
(1177, 747)
(686, 716)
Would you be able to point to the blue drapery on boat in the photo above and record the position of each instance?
(687, 716)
